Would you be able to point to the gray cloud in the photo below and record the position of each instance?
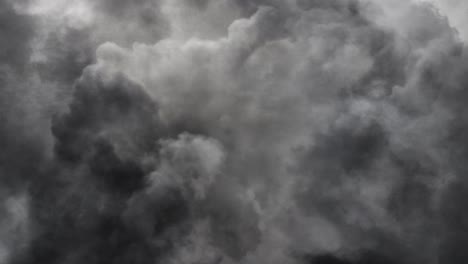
(226, 132)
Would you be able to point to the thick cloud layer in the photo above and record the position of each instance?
(233, 131)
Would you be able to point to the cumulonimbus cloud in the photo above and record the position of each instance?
(232, 131)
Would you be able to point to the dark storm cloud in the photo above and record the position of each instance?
(263, 131)
(116, 194)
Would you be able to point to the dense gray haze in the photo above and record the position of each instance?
(233, 131)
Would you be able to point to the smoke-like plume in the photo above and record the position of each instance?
(233, 131)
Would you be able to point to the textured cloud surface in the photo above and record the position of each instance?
(233, 131)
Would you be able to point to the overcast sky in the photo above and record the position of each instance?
(233, 131)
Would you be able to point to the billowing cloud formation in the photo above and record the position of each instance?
(233, 131)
